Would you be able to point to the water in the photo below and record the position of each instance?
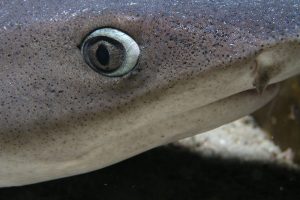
(281, 117)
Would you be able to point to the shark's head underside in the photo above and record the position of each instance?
(201, 64)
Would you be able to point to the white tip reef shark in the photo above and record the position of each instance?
(88, 83)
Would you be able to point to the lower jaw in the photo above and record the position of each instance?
(217, 113)
(130, 142)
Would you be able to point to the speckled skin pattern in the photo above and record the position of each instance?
(46, 89)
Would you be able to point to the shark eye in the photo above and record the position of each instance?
(110, 52)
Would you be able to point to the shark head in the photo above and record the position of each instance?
(187, 67)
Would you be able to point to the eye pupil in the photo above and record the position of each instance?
(102, 54)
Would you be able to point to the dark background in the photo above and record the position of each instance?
(170, 173)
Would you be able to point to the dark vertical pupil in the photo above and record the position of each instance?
(103, 55)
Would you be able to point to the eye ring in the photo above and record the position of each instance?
(117, 39)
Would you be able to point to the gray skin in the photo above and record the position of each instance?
(199, 63)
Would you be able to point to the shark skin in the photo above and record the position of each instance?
(202, 64)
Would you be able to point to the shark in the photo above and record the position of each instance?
(85, 84)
